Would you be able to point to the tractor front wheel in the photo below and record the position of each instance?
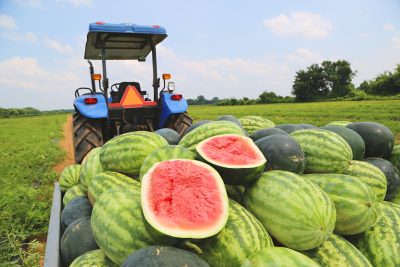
(87, 135)
(179, 122)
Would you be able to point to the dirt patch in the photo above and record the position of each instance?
(67, 143)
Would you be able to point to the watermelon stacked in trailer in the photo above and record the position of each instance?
(216, 197)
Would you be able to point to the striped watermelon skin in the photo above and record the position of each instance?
(209, 129)
(254, 123)
(118, 225)
(165, 153)
(107, 180)
(294, 210)
(126, 153)
(338, 123)
(242, 236)
(74, 192)
(325, 151)
(395, 156)
(279, 256)
(235, 192)
(90, 166)
(381, 243)
(337, 251)
(95, 258)
(69, 177)
(370, 175)
(354, 201)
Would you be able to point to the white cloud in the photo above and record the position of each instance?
(57, 46)
(7, 22)
(19, 37)
(389, 27)
(77, 3)
(303, 55)
(303, 24)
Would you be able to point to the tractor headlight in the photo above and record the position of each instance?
(171, 86)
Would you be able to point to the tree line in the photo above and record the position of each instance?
(27, 112)
(329, 80)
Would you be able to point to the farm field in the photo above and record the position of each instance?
(386, 112)
(29, 151)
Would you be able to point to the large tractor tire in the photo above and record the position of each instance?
(87, 135)
(179, 122)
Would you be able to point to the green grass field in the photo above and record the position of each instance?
(28, 152)
(386, 112)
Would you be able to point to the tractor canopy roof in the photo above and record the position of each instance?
(122, 41)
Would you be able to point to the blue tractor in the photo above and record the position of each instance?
(101, 114)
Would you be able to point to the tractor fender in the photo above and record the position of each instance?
(169, 107)
(93, 111)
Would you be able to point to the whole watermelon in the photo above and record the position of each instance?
(254, 123)
(126, 153)
(74, 192)
(395, 156)
(69, 177)
(90, 166)
(170, 135)
(95, 258)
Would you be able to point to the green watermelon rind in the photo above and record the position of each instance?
(209, 129)
(182, 233)
(93, 258)
(278, 199)
(90, 166)
(74, 192)
(69, 177)
(354, 201)
(325, 151)
(395, 156)
(233, 174)
(165, 153)
(253, 123)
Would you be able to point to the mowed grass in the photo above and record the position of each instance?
(29, 149)
(386, 112)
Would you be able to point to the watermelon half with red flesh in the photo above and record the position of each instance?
(184, 199)
(237, 159)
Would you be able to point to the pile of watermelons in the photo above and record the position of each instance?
(236, 192)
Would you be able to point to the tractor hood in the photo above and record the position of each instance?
(122, 41)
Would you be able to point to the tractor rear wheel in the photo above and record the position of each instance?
(87, 135)
(179, 122)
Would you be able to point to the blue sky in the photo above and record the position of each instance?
(214, 48)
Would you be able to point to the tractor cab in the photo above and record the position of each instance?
(104, 111)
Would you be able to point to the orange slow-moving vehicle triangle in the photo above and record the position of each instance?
(131, 97)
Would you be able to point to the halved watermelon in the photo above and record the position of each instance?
(184, 198)
(237, 159)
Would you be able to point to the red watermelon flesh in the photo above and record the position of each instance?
(232, 150)
(184, 198)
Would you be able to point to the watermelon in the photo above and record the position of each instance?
(378, 138)
(306, 126)
(266, 132)
(355, 141)
(204, 131)
(118, 224)
(77, 240)
(195, 125)
(242, 236)
(74, 192)
(337, 251)
(94, 258)
(381, 243)
(354, 201)
(289, 128)
(165, 153)
(69, 177)
(184, 199)
(280, 257)
(396, 199)
(391, 174)
(325, 151)
(107, 180)
(338, 123)
(254, 123)
(126, 153)
(395, 156)
(293, 210)
(236, 158)
(282, 153)
(156, 256)
(235, 192)
(90, 166)
(230, 118)
(170, 135)
(369, 174)
(77, 208)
